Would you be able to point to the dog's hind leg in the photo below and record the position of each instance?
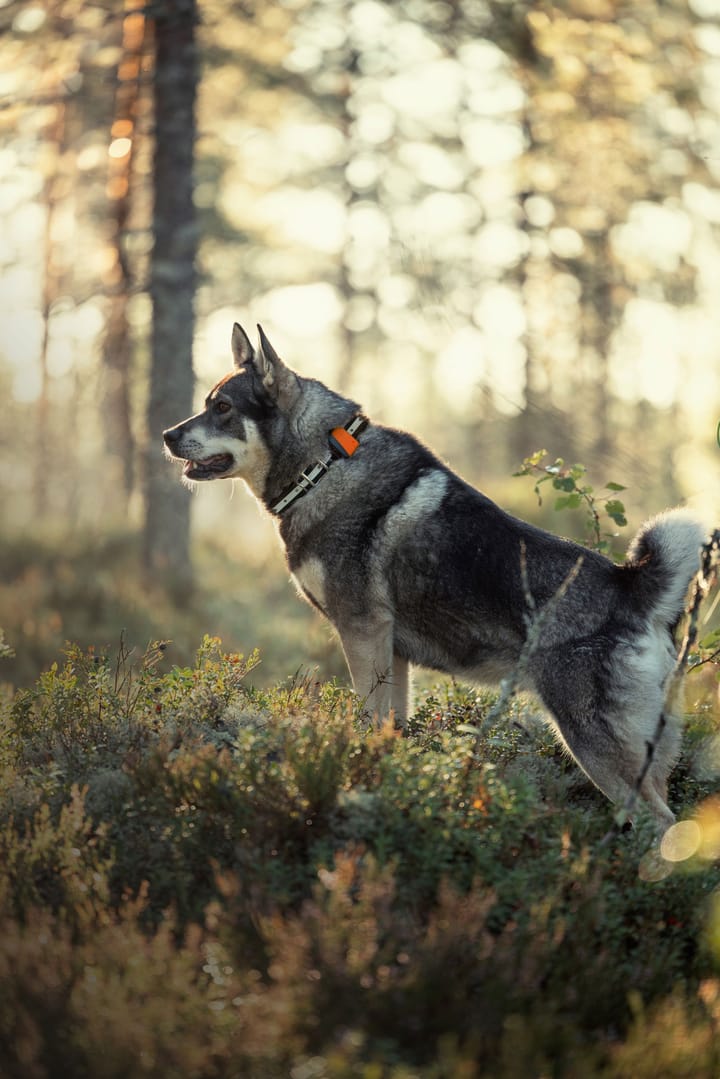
(663, 746)
(613, 753)
(616, 760)
(643, 721)
(620, 769)
(608, 724)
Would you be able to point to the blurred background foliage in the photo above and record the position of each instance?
(496, 223)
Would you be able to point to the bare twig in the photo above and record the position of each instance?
(706, 659)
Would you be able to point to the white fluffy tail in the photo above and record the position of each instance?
(664, 557)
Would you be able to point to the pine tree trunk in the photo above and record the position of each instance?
(172, 289)
(117, 345)
(57, 142)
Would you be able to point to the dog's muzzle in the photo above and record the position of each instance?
(205, 468)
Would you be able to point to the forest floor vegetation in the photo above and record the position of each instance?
(203, 877)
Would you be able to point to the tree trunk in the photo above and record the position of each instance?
(172, 289)
(598, 325)
(117, 345)
(57, 140)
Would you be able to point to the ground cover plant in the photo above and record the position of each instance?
(204, 877)
(200, 878)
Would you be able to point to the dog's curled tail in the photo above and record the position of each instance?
(663, 558)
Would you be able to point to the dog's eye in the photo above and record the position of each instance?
(221, 406)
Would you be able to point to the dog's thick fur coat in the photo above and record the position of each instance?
(414, 566)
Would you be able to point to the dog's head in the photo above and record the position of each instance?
(225, 440)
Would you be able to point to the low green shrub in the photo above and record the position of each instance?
(199, 878)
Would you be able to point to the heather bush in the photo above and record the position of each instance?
(200, 878)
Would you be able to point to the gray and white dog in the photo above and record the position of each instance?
(412, 565)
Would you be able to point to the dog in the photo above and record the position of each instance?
(413, 566)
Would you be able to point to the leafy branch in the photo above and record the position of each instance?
(575, 493)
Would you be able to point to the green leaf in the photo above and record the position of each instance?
(615, 487)
(711, 640)
(564, 483)
(614, 506)
(568, 502)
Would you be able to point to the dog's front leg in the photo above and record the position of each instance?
(400, 690)
(368, 649)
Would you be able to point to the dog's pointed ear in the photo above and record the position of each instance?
(279, 381)
(242, 350)
(268, 362)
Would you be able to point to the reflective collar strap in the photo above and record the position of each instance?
(343, 443)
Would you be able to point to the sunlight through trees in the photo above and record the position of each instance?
(497, 223)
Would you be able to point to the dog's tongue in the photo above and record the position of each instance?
(218, 462)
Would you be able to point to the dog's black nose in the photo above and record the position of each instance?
(172, 435)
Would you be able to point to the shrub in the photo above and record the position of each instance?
(201, 879)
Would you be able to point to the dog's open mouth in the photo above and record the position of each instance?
(209, 467)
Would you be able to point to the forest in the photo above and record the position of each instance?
(495, 223)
